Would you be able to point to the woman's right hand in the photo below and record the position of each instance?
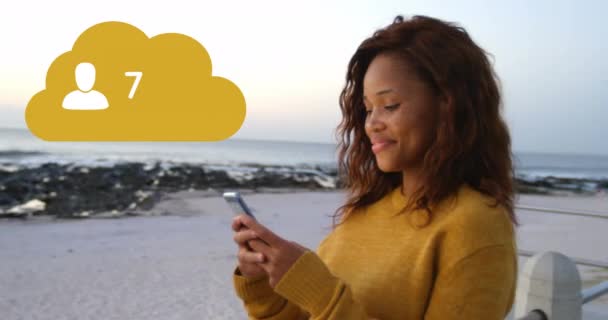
(247, 258)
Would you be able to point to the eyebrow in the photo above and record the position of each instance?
(379, 93)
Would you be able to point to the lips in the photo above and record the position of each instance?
(381, 144)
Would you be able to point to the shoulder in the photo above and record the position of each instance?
(472, 221)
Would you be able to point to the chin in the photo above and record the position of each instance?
(387, 165)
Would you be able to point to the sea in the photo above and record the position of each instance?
(20, 147)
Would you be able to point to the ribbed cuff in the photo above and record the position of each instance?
(251, 289)
(308, 283)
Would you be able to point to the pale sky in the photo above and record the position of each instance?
(289, 58)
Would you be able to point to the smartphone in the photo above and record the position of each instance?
(236, 202)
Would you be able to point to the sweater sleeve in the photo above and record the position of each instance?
(479, 286)
(310, 285)
(261, 302)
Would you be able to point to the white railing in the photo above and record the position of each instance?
(534, 315)
(578, 261)
(566, 212)
(549, 286)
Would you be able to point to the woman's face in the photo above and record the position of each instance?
(401, 114)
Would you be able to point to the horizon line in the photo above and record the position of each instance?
(575, 153)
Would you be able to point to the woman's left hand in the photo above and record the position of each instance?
(279, 254)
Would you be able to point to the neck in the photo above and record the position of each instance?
(411, 181)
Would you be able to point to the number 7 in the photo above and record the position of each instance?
(137, 75)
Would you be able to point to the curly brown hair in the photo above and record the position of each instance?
(472, 143)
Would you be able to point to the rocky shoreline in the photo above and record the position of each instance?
(74, 191)
(133, 188)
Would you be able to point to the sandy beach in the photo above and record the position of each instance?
(179, 266)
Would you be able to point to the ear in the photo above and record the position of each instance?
(445, 108)
(446, 99)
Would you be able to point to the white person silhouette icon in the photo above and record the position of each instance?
(85, 98)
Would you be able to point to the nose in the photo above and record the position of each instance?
(374, 121)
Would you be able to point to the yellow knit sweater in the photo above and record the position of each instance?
(461, 263)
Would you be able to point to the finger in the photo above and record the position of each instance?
(261, 247)
(237, 224)
(245, 256)
(241, 237)
(263, 233)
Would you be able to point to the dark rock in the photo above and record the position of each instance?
(220, 179)
(75, 191)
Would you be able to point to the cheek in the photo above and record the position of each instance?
(407, 127)
(415, 132)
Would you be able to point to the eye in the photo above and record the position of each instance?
(392, 107)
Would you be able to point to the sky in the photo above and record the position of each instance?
(289, 58)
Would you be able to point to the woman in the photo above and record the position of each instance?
(427, 231)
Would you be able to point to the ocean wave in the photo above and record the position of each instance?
(20, 153)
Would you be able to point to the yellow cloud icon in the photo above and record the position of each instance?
(119, 85)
